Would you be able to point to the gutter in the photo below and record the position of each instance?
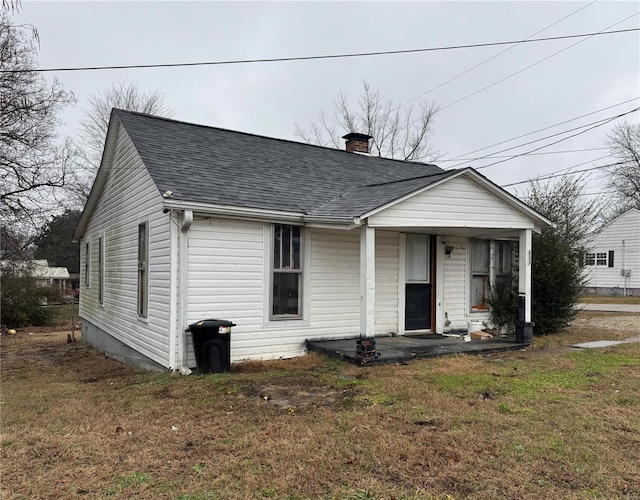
(260, 215)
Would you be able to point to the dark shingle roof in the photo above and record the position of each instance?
(224, 167)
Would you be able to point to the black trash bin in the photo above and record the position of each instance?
(212, 345)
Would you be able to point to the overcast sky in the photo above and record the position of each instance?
(269, 98)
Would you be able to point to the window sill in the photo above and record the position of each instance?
(286, 323)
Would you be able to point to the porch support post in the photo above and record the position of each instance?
(524, 327)
(524, 287)
(366, 345)
(367, 281)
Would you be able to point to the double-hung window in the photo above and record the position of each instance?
(143, 271)
(286, 289)
(492, 262)
(601, 259)
(87, 263)
(101, 270)
(480, 271)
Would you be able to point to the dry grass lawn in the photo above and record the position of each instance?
(545, 422)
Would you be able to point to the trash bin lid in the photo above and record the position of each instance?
(210, 323)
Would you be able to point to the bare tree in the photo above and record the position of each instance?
(93, 130)
(624, 179)
(11, 5)
(398, 132)
(98, 111)
(34, 162)
(562, 201)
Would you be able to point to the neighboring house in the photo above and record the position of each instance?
(613, 263)
(290, 241)
(44, 275)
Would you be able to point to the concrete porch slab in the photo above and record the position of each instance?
(404, 348)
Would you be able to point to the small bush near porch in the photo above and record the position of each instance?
(546, 422)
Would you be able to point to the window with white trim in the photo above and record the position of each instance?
(492, 262)
(599, 259)
(87, 263)
(101, 270)
(480, 273)
(143, 272)
(286, 273)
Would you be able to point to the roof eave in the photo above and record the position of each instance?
(257, 214)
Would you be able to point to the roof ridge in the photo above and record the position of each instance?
(250, 134)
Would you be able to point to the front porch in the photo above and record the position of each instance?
(400, 349)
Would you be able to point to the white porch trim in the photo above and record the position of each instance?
(367, 281)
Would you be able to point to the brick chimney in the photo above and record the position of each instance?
(357, 143)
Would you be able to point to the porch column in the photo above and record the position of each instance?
(524, 326)
(524, 285)
(367, 281)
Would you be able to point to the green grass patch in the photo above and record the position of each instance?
(529, 380)
(122, 483)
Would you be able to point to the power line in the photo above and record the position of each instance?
(327, 56)
(596, 123)
(543, 129)
(491, 58)
(566, 173)
(562, 169)
(531, 154)
(531, 65)
(560, 140)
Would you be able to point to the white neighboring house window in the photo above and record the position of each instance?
(590, 259)
(286, 288)
(101, 269)
(599, 259)
(143, 269)
(87, 263)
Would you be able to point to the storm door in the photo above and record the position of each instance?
(418, 286)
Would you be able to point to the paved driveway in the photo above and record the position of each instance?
(632, 308)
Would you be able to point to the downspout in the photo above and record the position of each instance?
(174, 325)
(187, 220)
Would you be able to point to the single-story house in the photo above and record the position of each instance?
(613, 261)
(290, 241)
(44, 275)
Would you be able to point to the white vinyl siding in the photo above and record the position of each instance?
(458, 202)
(456, 283)
(129, 194)
(622, 237)
(225, 275)
(335, 283)
(387, 263)
(229, 279)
